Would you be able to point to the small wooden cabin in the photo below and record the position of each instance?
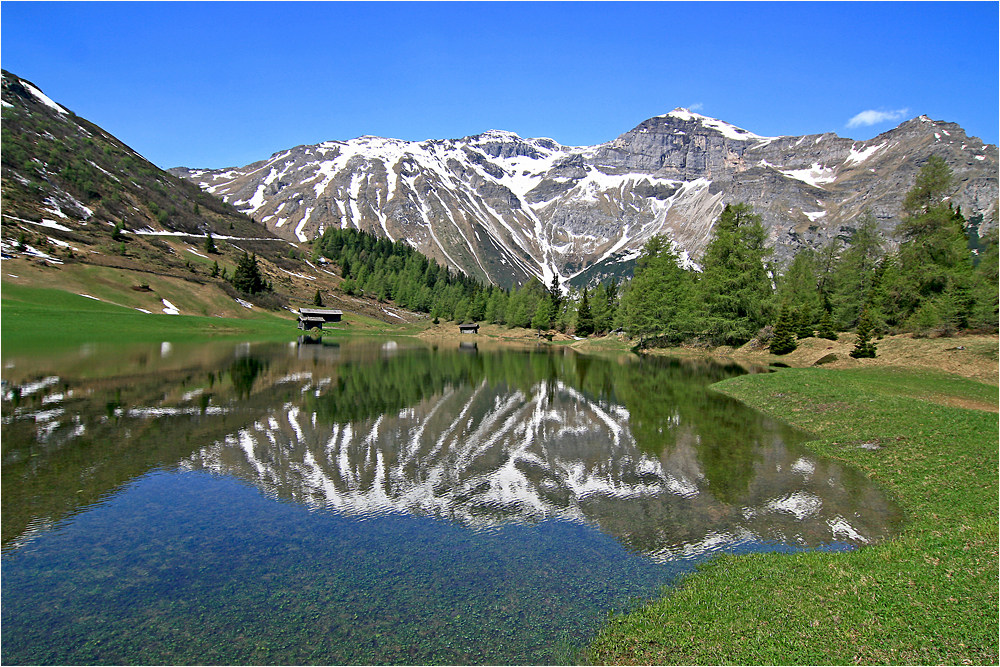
(317, 317)
(468, 328)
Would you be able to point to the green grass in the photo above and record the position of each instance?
(38, 319)
(927, 596)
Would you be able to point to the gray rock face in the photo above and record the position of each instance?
(504, 208)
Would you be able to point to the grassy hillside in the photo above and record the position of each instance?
(84, 213)
(37, 319)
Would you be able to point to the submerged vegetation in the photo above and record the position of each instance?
(227, 504)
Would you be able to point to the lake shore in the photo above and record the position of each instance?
(971, 355)
(974, 356)
(919, 420)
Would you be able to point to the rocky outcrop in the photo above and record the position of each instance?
(504, 208)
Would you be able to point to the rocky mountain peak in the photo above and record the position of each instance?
(697, 123)
(503, 144)
(506, 208)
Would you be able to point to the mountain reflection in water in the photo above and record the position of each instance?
(637, 447)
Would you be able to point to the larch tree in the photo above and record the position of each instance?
(658, 300)
(584, 317)
(932, 288)
(783, 341)
(855, 275)
(735, 287)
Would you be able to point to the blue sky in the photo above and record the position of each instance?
(224, 84)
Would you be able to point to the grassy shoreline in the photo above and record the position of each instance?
(928, 596)
(41, 320)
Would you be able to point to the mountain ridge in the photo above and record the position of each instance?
(505, 208)
(496, 206)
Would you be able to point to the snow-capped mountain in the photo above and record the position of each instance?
(504, 208)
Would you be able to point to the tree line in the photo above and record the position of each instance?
(940, 278)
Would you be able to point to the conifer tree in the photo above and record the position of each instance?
(492, 304)
(784, 333)
(461, 312)
(318, 300)
(826, 266)
(543, 315)
(856, 273)
(985, 313)
(798, 286)
(826, 327)
(247, 277)
(803, 323)
(215, 269)
(658, 299)
(735, 285)
(555, 292)
(584, 318)
(604, 304)
(933, 185)
(477, 308)
(865, 346)
(929, 287)
(210, 245)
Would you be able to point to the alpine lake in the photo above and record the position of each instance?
(381, 501)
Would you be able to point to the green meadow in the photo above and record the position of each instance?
(38, 319)
(928, 596)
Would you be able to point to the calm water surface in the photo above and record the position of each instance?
(379, 501)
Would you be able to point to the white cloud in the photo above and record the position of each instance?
(698, 106)
(875, 116)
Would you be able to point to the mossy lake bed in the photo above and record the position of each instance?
(233, 509)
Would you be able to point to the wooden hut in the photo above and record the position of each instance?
(317, 317)
(468, 328)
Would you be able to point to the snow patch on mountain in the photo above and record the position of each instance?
(858, 156)
(727, 130)
(43, 98)
(817, 175)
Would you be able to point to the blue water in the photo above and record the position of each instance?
(189, 568)
(373, 503)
